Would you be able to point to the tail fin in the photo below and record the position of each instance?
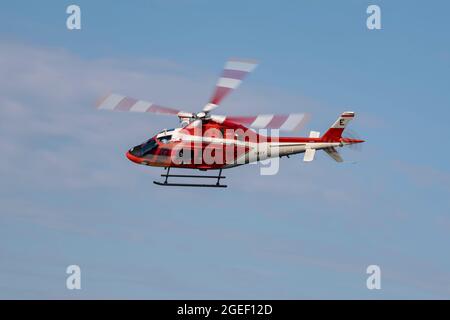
(335, 131)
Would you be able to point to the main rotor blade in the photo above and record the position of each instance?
(234, 72)
(291, 122)
(119, 102)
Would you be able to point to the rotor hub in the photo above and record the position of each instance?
(201, 115)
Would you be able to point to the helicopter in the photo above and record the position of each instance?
(205, 141)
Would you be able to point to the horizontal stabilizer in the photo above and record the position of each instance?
(309, 155)
(333, 153)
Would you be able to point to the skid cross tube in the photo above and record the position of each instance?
(167, 175)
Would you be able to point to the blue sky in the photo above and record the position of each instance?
(69, 196)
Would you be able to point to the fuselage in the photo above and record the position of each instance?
(215, 146)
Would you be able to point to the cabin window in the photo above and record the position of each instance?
(165, 139)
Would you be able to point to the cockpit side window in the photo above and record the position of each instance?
(165, 139)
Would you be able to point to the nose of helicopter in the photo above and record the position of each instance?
(132, 157)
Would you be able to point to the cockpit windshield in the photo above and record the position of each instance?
(148, 146)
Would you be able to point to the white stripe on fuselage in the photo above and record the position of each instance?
(262, 150)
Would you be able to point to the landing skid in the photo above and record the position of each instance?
(169, 184)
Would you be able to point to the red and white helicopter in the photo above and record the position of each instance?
(205, 141)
